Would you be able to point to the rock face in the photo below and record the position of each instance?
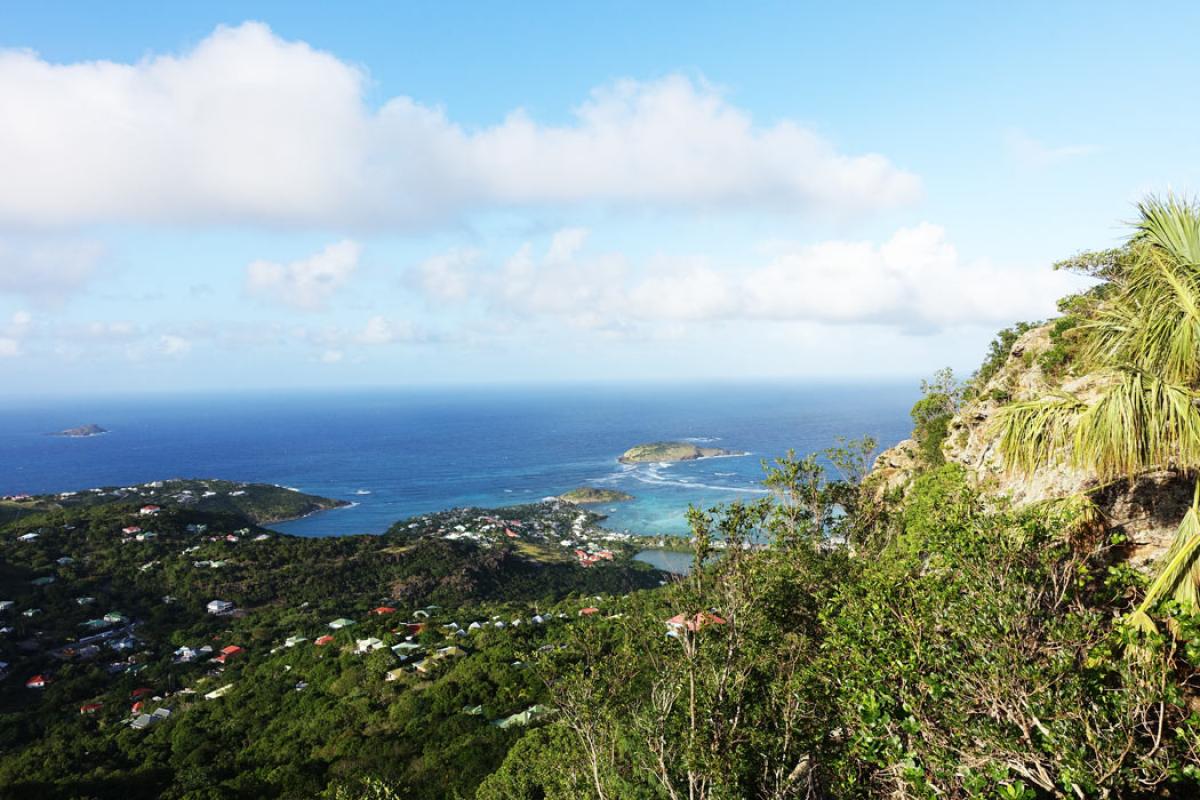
(1147, 509)
(670, 451)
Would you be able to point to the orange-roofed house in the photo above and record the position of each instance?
(694, 623)
(587, 612)
(323, 640)
(383, 610)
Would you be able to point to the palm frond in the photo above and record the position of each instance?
(1037, 433)
(1179, 575)
(1140, 422)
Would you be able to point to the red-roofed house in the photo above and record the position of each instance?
(383, 610)
(136, 708)
(142, 692)
(149, 511)
(323, 640)
(587, 612)
(90, 708)
(130, 530)
(694, 623)
(37, 682)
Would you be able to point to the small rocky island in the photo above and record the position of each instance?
(590, 495)
(81, 431)
(671, 451)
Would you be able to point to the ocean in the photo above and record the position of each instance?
(400, 453)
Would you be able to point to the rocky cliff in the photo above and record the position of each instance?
(1147, 509)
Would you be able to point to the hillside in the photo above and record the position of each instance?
(113, 608)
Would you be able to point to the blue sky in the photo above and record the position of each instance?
(305, 195)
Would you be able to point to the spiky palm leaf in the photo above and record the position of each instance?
(1153, 321)
(1179, 575)
(1138, 422)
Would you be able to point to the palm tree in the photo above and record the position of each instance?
(1144, 342)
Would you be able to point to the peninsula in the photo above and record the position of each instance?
(671, 451)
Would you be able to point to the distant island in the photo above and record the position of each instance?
(82, 430)
(590, 495)
(671, 451)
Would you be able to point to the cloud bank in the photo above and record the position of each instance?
(915, 280)
(249, 128)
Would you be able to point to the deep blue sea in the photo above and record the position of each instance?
(398, 453)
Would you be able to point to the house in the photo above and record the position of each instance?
(680, 622)
(5, 605)
(228, 653)
(394, 674)
(65, 561)
(415, 628)
(383, 610)
(27, 537)
(340, 623)
(292, 641)
(143, 721)
(130, 530)
(37, 682)
(321, 641)
(44, 581)
(523, 718)
(587, 612)
(90, 708)
(215, 693)
(219, 607)
(453, 651)
(31, 612)
(85, 601)
(368, 645)
(95, 624)
(149, 511)
(406, 649)
(144, 691)
(115, 618)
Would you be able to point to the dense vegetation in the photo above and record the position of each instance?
(837, 639)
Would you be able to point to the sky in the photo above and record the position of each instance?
(246, 195)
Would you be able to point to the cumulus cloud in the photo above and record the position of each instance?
(916, 280)
(447, 276)
(249, 127)
(305, 284)
(45, 271)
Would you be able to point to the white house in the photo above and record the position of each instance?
(219, 607)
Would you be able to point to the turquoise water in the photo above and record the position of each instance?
(400, 453)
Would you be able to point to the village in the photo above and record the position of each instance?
(156, 534)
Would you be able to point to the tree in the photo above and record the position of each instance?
(1144, 342)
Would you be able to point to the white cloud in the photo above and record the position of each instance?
(9, 347)
(447, 276)
(1030, 153)
(249, 127)
(381, 330)
(308, 283)
(174, 346)
(45, 271)
(915, 280)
